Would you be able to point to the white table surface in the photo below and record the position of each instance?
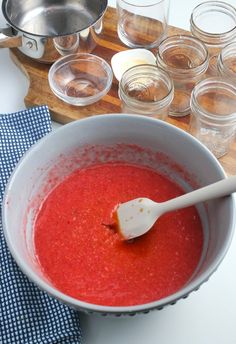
(207, 316)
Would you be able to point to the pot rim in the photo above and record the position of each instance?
(118, 310)
(18, 29)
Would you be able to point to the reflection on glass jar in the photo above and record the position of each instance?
(146, 89)
(185, 58)
(214, 23)
(227, 62)
(84, 41)
(213, 107)
(67, 44)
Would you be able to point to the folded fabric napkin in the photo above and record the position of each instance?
(27, 315)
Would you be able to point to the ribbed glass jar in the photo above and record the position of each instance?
(214, 23)
(213, 108)
(185, 58)
(227, 62)
(147, 90)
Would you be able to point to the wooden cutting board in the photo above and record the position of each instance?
(39, 92)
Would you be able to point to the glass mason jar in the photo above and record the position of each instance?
(227, 62)
(185, 58)
(213, 120)
(146, 90)
(214, 23)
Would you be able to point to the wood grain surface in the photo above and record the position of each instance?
(108, 44)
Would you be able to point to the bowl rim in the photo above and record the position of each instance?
(103, 8)
(116, 310)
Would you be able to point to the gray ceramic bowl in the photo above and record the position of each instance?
(30, 182)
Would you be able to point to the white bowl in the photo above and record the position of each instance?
(126, 59)
(26, 189)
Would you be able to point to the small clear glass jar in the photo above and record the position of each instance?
(213, 120)
(214, 23)
(185, 58)
(146, 90)
(227, 62)
(142, 23)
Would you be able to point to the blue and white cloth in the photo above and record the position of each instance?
(27, 315)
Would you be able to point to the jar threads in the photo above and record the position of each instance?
(185, 59)
(227, 62)
(146, 89)
(214, 23)
(213, 108)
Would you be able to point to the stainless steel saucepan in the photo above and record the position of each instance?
(46, 29)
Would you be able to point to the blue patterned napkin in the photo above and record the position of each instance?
(27, 315)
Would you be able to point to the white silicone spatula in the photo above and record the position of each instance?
(136, 217)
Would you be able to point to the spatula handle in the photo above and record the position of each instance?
(219, 189)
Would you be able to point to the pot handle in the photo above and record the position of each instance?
(8, 39)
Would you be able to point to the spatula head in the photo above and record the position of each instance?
(135, 217)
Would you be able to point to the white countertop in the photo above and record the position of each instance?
(207, 316)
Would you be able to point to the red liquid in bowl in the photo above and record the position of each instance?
(90, 262)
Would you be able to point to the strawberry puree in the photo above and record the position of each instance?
(88, 261)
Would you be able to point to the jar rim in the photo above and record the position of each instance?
(166, 100)
(201, 68)
(195, 106)
(215, 37)
(223, 68)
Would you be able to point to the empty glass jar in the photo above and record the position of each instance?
(142, 23)
(147, 90)
(214, 23)
(227, 62)
(213, 120)
(185, 58)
